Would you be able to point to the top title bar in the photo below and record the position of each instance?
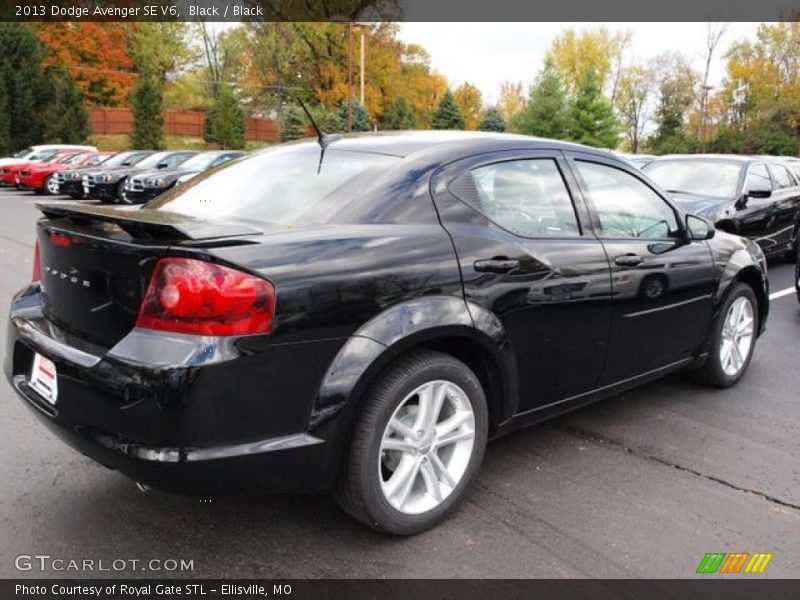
(398, 10)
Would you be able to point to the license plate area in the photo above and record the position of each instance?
(44, 378)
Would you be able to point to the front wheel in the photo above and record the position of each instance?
(733, 338)
(122, 197)
(50, 187)
(417, 446)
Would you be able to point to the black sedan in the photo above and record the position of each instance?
(362, 314)
(108, 185)
(145, 186)
(71, 182)
(757, 197)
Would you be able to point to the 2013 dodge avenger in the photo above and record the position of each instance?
(361, 314)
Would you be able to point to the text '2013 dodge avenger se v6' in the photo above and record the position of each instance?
(359, 315)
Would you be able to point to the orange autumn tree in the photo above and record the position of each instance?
(97, 56)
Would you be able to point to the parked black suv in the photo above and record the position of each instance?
(362, 315)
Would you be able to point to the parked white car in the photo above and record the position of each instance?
(41, 152)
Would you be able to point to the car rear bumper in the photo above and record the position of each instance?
(189, 428)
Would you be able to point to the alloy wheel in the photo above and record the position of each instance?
(737, 336)
(426, 447)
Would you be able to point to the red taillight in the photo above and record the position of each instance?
(59, 240)
(203, 298)
(37, 264)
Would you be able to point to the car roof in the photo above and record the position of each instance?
(407, 143)
(728, 157)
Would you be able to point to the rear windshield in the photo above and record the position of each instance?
(715, 178)
(283, 185)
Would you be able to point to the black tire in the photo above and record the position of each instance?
(46, 186)
(359, 488)
(120, 199)
(712, 371)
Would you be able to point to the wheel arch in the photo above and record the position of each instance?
(752, 276)
(443, 324)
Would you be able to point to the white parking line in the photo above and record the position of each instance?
(782, 293)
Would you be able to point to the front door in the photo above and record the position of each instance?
(526, 256)
(662, 281)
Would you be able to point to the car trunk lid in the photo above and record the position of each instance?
(96, 262)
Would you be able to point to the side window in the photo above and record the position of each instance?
(527, 197)
(758, 179)
(781, 176)
(626, 206)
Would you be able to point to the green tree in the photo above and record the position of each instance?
(67, 117)
(5, 123)
(27, 93)
(447, 115)
(675, 99)
(227, 123)
(293, 123)
(633, 98)
(492, 121)
(361, 118)
(546, 114)
(399, 116)
(146, 104)
(593, 121)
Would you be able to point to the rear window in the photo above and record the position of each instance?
(283, 185)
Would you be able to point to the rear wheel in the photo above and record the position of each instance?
(417, 446)
(733, 338)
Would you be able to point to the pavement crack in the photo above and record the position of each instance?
(601, 440)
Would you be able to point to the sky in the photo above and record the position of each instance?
(486, 54)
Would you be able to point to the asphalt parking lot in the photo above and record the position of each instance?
(642, 485)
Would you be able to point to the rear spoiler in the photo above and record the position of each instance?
(145, 224)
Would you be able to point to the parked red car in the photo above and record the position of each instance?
(9, 173)
(40, 177)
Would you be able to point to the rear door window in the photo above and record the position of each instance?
(526, 197)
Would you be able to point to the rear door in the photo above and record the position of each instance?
(661, 281)
(528, 256)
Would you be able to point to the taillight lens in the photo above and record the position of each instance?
(203, 298)
(37, 265)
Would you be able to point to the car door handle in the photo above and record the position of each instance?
(628, 260)
(496, 265)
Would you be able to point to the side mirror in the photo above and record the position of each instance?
(162, 165)
(759, 193)
(699, 228)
